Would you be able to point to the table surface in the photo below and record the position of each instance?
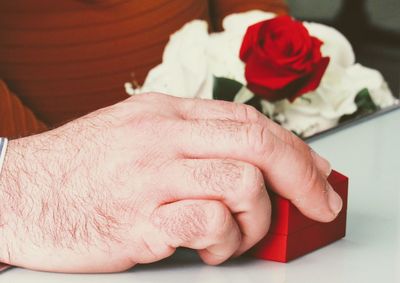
(369, 153)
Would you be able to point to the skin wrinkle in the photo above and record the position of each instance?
(259, 139)
(243, 112)
(311, 176)
(148, 248)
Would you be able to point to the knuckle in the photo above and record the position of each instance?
(244, 112)
(253, 182)
(188, 108)
(219, 218)
(259, 139)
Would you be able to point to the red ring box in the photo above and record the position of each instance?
(292, 235)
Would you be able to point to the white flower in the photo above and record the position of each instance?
(305, 121)
(184, 71)
(335, 45)
(321, 109)
(363, 77)
(193, 57)
(223, 56)
(343, 80)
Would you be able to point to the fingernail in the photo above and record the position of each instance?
(334, 200)
(323, 164)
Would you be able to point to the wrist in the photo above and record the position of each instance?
(19, 193)
(40, 221)
(7, 191)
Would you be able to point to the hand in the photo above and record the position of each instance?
(130, 183)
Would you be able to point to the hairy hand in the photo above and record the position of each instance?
(132, 182)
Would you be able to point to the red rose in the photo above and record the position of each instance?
(282, 59)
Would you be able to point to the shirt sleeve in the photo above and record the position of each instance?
(17, 120)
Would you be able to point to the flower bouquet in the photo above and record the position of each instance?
(301, 75)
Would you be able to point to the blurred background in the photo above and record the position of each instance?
(372, 26)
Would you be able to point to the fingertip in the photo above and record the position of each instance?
(220, 252)
(333, 205)
(334, 200)
(321, 204)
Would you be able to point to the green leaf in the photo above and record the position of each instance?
(255, 102)
(365, 106)
(364, 101)
(225, 89)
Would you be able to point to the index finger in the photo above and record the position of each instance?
(289, 171)
(206, 109)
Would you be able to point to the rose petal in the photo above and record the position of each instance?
(282, 59)
(250, 41)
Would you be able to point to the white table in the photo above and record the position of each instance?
(369, 154)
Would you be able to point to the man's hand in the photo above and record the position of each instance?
(130, 183)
